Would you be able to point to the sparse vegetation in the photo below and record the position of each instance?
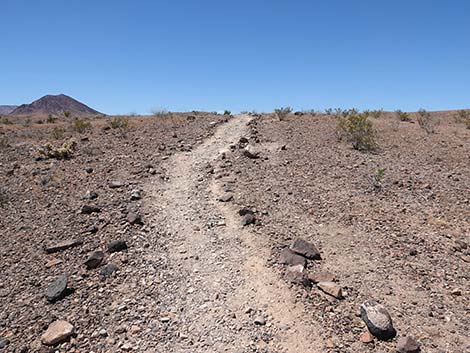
(227, 112)
(64, 152)
(51, 119)
(120, 122)
(67, 114)
(357, 130)
(402, 116)
(161, 113)
(80, 125)
(329, 111)
(5, 121)
(4, 142)
(376, 114)
(58, 133)
(377, 178)
(282, 112)
(425, 121)
(463, 117)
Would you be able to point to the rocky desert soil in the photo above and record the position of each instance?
(199, 232)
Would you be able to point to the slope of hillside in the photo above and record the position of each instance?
(7, 109)
(54, 104)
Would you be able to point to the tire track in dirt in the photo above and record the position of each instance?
(217, 269)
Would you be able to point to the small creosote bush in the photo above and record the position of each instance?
(57, 133)
(5, 121)
(357, 130)
(51, 119)
(376, 114)
(282, 112)
(463, 117)
(120, 122)
(425, 121)
(402, 116)
(227, 112)
(378, 178)
(162, 113)
(80, 125)
(67, 114)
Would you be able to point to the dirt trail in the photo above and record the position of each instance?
(217, 281)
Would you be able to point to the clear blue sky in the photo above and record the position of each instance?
(122, 56)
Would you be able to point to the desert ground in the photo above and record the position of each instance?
(178, 232)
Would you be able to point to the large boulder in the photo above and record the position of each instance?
(378, 320)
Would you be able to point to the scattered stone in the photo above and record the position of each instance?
(248, 219)
(57, 289)
(331, 288)
(57, 332)
(116, 246)
(288, 257)
(108, 270)
(251, 152)
(457, 292)
(226, 197)
(408, 345)
(115, 184)
(323, 276)
(89, 170)
(259, 320)
(53, 262)
(378, 320)
(3, 342)
(91, 195)
(306, 249)
(297, 275)
(244, 211)
(134, 218)
(89, 209)
(94, 260)
(136, 195)
(366, 337)
(63, 245)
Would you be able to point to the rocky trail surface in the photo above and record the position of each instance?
(220, 295)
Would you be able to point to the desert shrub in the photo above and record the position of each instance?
(80, 125)
(57, 133)
(67, 114)
(27, 122)
(120, 122)
(357, 130)
(376, 114)
(377, 178)
(162, 113)
(463, 117)
(4, 142)
(402, 116)
(5, 121)
(64, 152)
(329, 111)
(282, 112)
(425, 121)
(51, 119)
(227, 112)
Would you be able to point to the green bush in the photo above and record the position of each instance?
(402, 116)
(67, 114)
(51, 119)
(425, 121)
(80, 125)
(5, 121)
(57, 133)
(227, 112)
(120, 122)
(64, 152)
(357, 130)
(282, 112)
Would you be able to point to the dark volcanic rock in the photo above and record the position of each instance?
(248, 219)
(89, 209)
(54, 104)
(94, 260)
(134, 218)
(63, 245)
(57, 289)
(288, 257)
(244, 211)
(378, 320)
(408, 345)
(306, 249)
(297, 275)
(117, 245)
(108, 270)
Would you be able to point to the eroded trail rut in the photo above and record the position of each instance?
(215, 282)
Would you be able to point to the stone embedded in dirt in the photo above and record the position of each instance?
(108, 270)
(116, 246)
(288, 257)
(378, 320)
(89, 170)
(94, 260)
(306, 249)
(259, 320)
(226, 197)
(91, 195)
(89, 209)
(366, 337)
(135, 195)
(322, 276)
(57, 289)
(244, 211)
(57, 332)
(116, 184)
(248, 219)
(53, 262)
(3, 342)
(134, 218)
(331, 288)
(251, 152)
(63, 245)
(408, 345)
(297, 275)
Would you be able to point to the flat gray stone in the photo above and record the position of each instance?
(57, 289)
